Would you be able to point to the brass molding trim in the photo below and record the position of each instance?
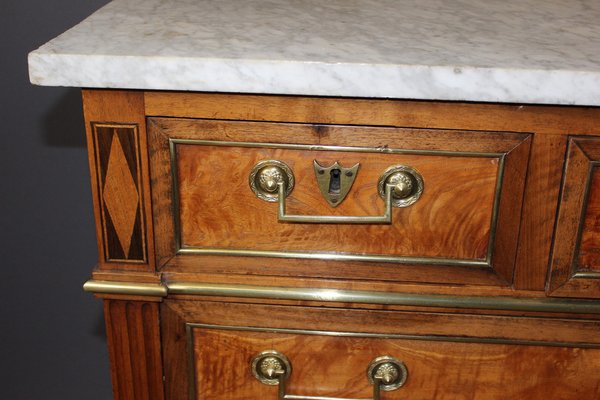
(436, 338)
(192, 250)
(335, 257)
(558, 305)
(127, 288)
(371, 297)
(320, 147)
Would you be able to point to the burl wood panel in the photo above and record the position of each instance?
(133, 335)
(575, 269)
(116, 135)
(452, 219)
(335, 366)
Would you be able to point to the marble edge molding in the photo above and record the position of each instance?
(420, 82)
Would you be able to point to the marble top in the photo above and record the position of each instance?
(518, 51)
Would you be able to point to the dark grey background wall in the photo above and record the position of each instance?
(52, 343)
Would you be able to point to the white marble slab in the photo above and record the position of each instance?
(520, 51)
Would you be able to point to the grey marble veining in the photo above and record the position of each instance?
(522, 51)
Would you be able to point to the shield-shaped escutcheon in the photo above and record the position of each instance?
(335, 181)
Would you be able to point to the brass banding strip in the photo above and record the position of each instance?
(126, 288)
(372, 297)
(346, 296)
(320, 147)
(334, 256)
(190, 326)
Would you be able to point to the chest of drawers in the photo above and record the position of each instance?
(327, 237)
(482, 288)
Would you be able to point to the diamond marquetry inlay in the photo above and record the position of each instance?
(120, 194)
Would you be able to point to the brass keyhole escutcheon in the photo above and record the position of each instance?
(407, 185)
(335, 181)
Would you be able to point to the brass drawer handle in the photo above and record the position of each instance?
(273, 181)
(273, 368)
(386, 218)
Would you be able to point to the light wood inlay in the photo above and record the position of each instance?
(119, 175)
(115, 127)
(120, 195)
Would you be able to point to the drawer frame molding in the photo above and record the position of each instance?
(566, 276)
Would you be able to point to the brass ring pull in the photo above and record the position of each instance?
(273, 368)
(273, 181)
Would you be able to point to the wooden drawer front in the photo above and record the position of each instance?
(467, 215)
(335, 366)
(575, 270)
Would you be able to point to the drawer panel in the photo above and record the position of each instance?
(334, 365)
(438, 225)
(467, 216)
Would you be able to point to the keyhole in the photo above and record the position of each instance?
(334, 182)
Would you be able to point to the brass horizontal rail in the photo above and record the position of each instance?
(126, 288)
(553, 305)
(388, 298)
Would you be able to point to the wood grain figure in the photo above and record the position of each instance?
(132, 331)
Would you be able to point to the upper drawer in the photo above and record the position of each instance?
(462, 228)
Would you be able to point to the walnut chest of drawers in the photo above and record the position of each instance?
(484, 286)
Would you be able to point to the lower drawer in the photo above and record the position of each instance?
(337, 366)
(334, 363)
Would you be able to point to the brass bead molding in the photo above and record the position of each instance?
(389, 298)
(126, 288)
(544, 304)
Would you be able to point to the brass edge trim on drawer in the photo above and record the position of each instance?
(487, 263)
(438, 338)
(320, 147)
(334, 256)
(371, 297)
(127, 288)
(587, 275)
